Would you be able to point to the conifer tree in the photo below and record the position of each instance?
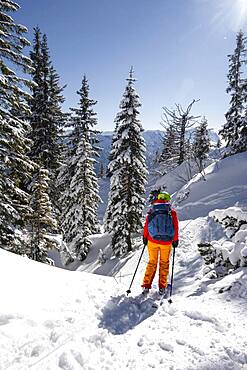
(157, 157)
(170, 154)
(15, 167)
(57, 120)
(111, 154)
(13, 94)
(101, 170)
(84, 119)
(201, 143)
(80, 218)
(240, 145)
(46, 113)
(41, 218)
(231, 129)
(37, 103)
(218, 146)
(15, 171)
(78, 180)
(128, 173)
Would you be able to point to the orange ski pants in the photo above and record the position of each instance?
(154, 251)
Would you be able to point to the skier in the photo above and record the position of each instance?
(160, 235)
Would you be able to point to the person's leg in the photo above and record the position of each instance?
(151, 266)
(164, 264)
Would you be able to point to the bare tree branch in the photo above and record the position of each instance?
(180, 119)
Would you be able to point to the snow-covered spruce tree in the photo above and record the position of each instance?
(77, 178)
(47, 117)
(82, 121)
(170, 153)
(79, 212)
(58, 120)
(12, 92)
(128, 173)
(41, 218)
(37, 103)
(15, 167)
(201, 143)
(241, 144)
(115, 185)
(111, 154)
(231, 129)
(15, 171)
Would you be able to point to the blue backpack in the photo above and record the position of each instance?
(160, 225)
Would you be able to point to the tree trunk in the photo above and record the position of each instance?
(181, 144)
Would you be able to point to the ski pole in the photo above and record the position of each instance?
(129, 291)
(173, 259)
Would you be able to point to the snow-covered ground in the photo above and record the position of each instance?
(56, 319)
(51, 318)
(225, 185)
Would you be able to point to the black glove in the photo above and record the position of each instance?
(145, 241)
(175, 244)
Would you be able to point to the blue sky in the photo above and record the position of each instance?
(178, 49)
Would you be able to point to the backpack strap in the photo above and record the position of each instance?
(159, 208)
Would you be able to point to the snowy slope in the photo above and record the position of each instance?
(176, 178)
(56, 319)
(225, 186)
(53, 319)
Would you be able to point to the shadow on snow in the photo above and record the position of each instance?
(124, 313)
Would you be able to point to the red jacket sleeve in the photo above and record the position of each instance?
(145, 230)
(175, 224)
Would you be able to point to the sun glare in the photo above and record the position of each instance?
(242, 6)
(241, 12)
(232, 13)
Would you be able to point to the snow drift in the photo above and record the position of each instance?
(225, 185)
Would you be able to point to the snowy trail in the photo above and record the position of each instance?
(199, 330)
(76, 320)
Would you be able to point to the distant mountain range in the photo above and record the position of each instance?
(153, 139)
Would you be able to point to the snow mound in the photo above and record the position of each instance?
(232, 251)
(231, 212)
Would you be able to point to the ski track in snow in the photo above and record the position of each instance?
(98, 327)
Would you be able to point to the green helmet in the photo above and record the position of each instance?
(163, 195)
